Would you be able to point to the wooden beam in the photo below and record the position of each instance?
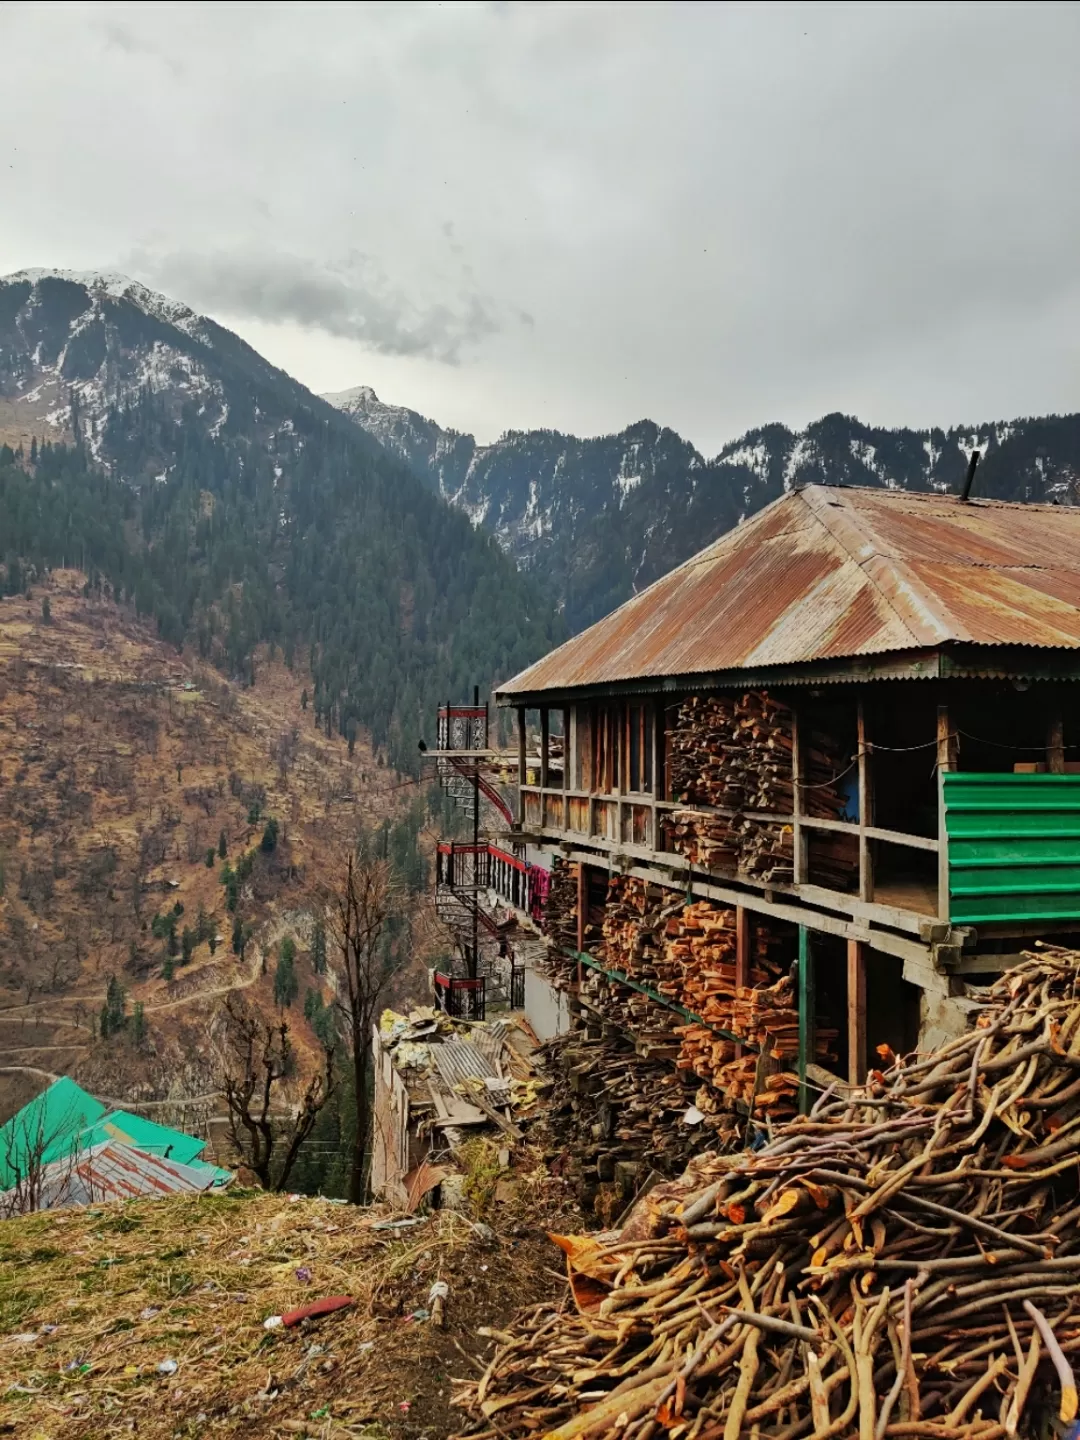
(521, 764)
(742, 954)
(873, 832)
(807, 1001)
(856, 1011)
(866, 809)
(798, 837)
(946, 761)
(566, 724)
(582, 912)
(545, 745)
(909, 951)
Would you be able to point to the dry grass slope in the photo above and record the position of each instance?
(121, 762)
(130, 1288)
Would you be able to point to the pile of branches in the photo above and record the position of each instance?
(904, 1261)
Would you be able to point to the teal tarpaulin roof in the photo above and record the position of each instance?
(64, 1119)
(145, 1134)
(45, 1129)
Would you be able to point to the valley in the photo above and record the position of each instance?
(126, 769)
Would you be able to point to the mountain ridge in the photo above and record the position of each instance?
(241, 510)
(600, 517)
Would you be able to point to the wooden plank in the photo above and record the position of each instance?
(856, 1011)
(742, 955)
(1055, 740)
(521, 763)
(807, 1002)
(866, 812)
(545, 745)
(873, 832)
(799, 839)
(582, 904)
(946, 761)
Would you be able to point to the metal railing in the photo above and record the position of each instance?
(461, 997)
(461, 866)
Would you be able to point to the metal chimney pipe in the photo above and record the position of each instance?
(976, 456)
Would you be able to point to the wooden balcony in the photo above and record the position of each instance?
(630, 828)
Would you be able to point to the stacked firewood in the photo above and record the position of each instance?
(612, 1106)
(903, 1262)
(560, 908)
(635, 920)
(700, 947)
(560, 924)
(651, 1025)
(735, 756)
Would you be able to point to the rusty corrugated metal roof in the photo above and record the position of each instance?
(829, 572)
(109, 1171)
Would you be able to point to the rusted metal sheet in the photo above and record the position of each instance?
(110, 1171)
(828, 573)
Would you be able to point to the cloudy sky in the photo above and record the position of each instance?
(575, 216)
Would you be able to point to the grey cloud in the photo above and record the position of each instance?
(123, 38)
(353, 301)
(719, 215)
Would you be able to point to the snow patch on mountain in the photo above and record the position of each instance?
(801, 452)
(122, 287)
(755, 457)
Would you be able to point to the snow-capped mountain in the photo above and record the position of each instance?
(600, 518)
(74, 347)
(217, 494)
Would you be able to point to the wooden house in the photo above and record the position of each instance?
(852, 720)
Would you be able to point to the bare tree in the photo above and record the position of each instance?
(258, 1057)
(35, 1183)
(365, 962)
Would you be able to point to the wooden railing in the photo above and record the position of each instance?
(634, 823)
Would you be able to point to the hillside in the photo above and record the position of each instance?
(148, 1317)
(600, 518)
(125, 767)
(240, 510)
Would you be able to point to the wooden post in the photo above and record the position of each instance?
(565, 824)
(946, 761)
(1055, 739)
(798, 838)
(866, 810)
(582, 905)
(807, 1000)
(658, 722)
(545, 739)
(521, 763)
(856, 1011)
(742, 955)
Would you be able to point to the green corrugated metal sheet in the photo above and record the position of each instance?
(45, 1128)
(145, 1135)
(64, 1118)
(1014, 847)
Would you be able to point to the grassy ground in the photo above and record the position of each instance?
(147, 1318)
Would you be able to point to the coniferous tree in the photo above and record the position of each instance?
(318, 948)
(286, 985)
